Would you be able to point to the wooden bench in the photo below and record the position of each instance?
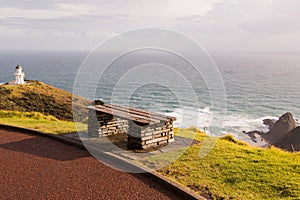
(144, 129)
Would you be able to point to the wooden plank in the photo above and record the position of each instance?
(142, 112)
(136, 118)
(138, 112)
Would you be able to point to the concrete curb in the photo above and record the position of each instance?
(175, 187)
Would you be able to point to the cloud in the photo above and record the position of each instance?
(217, 24)
(60, 10)
(28, 4)
(258, 25)
(273, 17)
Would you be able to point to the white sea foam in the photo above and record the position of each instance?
(234, 123)
(187, 117)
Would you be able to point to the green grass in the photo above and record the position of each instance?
(36, 96)
(233, 169)
(38, 121)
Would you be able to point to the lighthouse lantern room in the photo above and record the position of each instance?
(19, 74)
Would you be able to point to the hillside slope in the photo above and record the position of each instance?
(232, 169)
(36, 96)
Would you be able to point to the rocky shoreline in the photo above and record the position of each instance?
(283, 133)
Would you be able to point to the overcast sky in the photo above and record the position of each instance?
(219, 25)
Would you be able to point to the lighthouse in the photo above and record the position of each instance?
(19, 74)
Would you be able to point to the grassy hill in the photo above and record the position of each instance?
(233, 169)
(36, 96)
(39, 122)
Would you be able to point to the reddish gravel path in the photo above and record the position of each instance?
(34, 167)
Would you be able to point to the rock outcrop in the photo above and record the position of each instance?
(269, 123)
(280, 128)
(291, 141)
(282, 133)
(253, 135)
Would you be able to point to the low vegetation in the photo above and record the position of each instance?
(36, 96)
(40, 122)
(233, 169)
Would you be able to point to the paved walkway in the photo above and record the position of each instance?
(35, 167)
(116, 146)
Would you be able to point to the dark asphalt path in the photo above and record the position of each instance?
(35, 167)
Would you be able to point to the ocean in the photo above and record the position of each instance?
(257, 86)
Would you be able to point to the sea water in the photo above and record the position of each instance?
(257, 86)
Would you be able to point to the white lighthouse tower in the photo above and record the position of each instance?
(19, 75)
